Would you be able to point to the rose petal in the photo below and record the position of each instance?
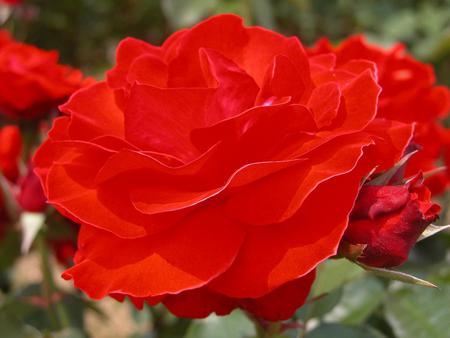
(236, 90)
(128, 50)
(272, 256)
(107, 120)
(161, 120)
(279, 196)
(185, 257)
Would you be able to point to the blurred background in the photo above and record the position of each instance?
(86, 33)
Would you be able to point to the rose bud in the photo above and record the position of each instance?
(388, 220)
(10, 151)
(31, 197)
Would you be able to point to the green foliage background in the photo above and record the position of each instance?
(86, 33)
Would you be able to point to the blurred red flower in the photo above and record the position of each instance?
(388, 220)
(31, 197)
(216, 171)
(409, 95)
(11, 2)
(10, 152)
(31, 80)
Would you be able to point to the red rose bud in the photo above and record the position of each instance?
(388, 220)
(10, 150)
(31, 197)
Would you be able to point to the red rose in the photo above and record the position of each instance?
(201, 169)
(388, 220)
(32, 82)
(409, 95)
(10, 151)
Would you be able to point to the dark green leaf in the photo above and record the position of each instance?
(359, 299)
(334, 273)
(397, 275)
(341, 331)
(419, 313)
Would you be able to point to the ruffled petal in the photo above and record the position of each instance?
(324, 103)
(187, 256)
(275, 254)
(161, 120)
(107, 120)
(252, 49)
(279, 196)
(128, 50)
(281, 303)
(282, 80)
(199, 303)
(236, 90)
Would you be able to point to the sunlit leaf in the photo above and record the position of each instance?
(397, 275)
(334, 273)
(432, 230)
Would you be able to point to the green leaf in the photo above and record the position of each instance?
(359, 299)
(11, 327)
(341, 331)
(397, 275)
(419, 313)
(317, 308)
(432, 230)
(387, 176)
(29, 305)
(334, 273)
(235, 325)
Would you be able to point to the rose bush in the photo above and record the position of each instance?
(200, 170)
(409, 95)
(32, 83)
